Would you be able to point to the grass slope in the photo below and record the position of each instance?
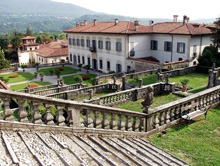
(23, 76)
(198, 144)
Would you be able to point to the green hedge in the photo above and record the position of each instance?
(202, 69)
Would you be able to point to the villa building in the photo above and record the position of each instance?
(31, 52)
(119, 46)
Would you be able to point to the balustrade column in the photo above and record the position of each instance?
(161, 119)
(113, 122)
(36, 113)
(89, 121)
(75, 118)
(167, 116)
(128, 123)
(135, 124)
(121, 123)
(172, 115)
(105, 122)
(48, 117)
(60, 118)
(7, 111)
(156, 121)
(22, 114)
(97, 121)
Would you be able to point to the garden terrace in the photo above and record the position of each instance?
(38, 88)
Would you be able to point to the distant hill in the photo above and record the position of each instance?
(42, 7)
(50, 16)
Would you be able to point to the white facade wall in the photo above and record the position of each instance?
(44, 60)
(115, 57)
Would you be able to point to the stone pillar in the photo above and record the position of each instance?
(60, 118)
(22, 114)
(7, 111)
(97, 80)
(149, 122)
(167, 78)
(211, 78)
(114, 79)
(140, 81)
(76, 120)
(123, 83)
(90, 93)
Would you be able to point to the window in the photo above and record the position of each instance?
(87, 43)
(118, 68)
(78, 59)
(42, 60)
(83, 60)
(71, 57)
(100, 44)
(153, 45)
(88, 61)
(168, 46)
(70, 41)
(108, 45)
(67, 58)
(108, 65)
(100, 64)
(181, 47)
(180, 59)
(78, 42)
(118, 46)
(74, 42)
(82, 42)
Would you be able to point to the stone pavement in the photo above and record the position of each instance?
(53, 79)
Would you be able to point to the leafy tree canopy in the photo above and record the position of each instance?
(3, 62)
(4, 42)
(28, 32)
(216, 30)
(40, 40)
(16, 42)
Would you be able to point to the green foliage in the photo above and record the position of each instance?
(77, 78)
(23, 66)
(216, 30)
(87, 67)
(28, 32)
(62, 60)
(40, 40)
(184, 82)
(209, 56)
(80, 65)
(36, 64)
(41, 74)
(111, 72)
(5, 80)
(51, 71)
(3, 62)
(23, 76)
(35, 73)
(16, 42)
(4, 42)
(70, 79)
(57, 72)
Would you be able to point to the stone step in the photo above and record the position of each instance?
(132, 152)
(109, 154)
(160, 152)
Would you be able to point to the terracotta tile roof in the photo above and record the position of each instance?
(53, 49)
(129, 28)
(3, 85)
(28, 37)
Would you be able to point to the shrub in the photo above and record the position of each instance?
(184, 82)
(59, 69)
(14, 75)
(32, 86)
(51, 71)
(111, 72)
(77, 78)
(85, 77)
(23, 66)
(57, 72)
(62, 60)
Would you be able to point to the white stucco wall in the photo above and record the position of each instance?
(106, 55)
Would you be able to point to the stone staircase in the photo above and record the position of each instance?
(55, 148)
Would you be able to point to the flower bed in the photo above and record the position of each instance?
(14, 75)
(32, 86)
(59, 69)
(85, 77)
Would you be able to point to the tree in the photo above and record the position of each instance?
(16, 42)
(46, 39)
(4, 42)
(3, 62)
(40, 40)
(28, 32)
(216, 31)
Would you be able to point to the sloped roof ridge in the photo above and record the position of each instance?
(189, 29)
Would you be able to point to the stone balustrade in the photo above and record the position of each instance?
(83, 92)
(77, 115)
(37, 88)
(181, 71)
(126, 96)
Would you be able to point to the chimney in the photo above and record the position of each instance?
(184, 19)
(95, 22)
(187, 20)
(151, 22)
(85, 22)
(116, 21)
(136, 25)
(81, 23)
(77, 24)
(175, 18)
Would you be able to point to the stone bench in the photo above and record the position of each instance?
(195, 112)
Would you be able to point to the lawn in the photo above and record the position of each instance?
(158, 101)
(23, 76)
(66, 70)
(23, 86)
(70, 79)
(196, 80)
(198, 144)
(150, 79)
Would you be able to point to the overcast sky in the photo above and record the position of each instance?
(195, 9)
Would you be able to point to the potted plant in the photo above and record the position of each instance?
(80, 66)
(63, 62)
(41, 76)
(23, 67)
(35, 74)
(57, 72)
(184, 82)
(37, 65)
(51, 72)
(87, 67)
